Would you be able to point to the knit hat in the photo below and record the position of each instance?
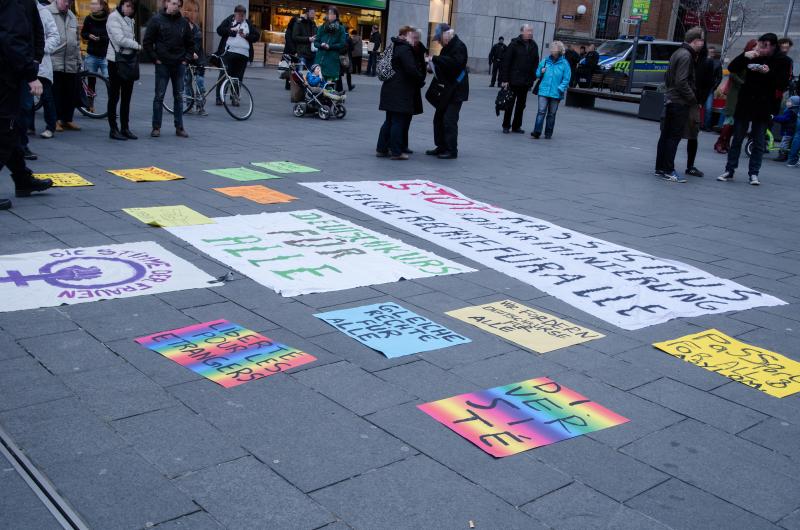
(440, 30)
(693, 34)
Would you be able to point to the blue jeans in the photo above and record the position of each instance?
(758, 134)
(48, 107)
(393, 133)
(96, 65)
(200, 79)
(708, 111)
(549, 107)
(166, 73)
(795, 148)
(372, 63)
(25, 109)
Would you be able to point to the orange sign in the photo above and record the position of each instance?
(258, 193)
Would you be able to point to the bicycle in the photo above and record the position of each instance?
(236, 97)
(769, 144)
(93, 92)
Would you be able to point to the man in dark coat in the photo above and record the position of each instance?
(375, 39)
(496, 58)
(397, 97)
(450, 68)
(573, 59)
(18, 67)
(517, 74)
(766, 74)
(303, 34)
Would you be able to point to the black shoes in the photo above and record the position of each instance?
(518, 131)
(181, 133)
(433, 152)
(506, 130)
(447, 155)
(5, 204)
(128, 134)
(33, 185)
(535, 135)
(114, 134)
(28, 154)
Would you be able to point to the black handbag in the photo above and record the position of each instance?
(435, 93)
(127, 66)
(536, 85)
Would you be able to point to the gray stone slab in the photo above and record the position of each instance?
(666, 365)
(680, 505)
(176, 440)
(457, 286)
(702, 406)
(503, 285)
(232, 312)
(402, 288)
(353, 388)
(334, 298)
(20, 508)
(778, 435)
(119, 489)
(436, 302)
(69, 352)
(35, 322)
(195, 521)
(703, 457)
(161, 370)
(787, 408)
(791, 522)
(191, 298)
(247, 293)
(345, 347)
(9, 349)
(517, 479)
(508, 368)
(426, 381)
(247, 494)
(610, 370)
(295, 317)
(418, 493)
(23, 381)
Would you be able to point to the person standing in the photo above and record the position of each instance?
(122, 43)
(707, 85)
(496, 58)
(587, 66)
(96, 36)
(191, 10)
(573, 59)
(420, 51)
(236, 45)
(375, 41)
(397, 97)
(51, 42)
(450, 69)
(24, 122)
(731, 91)
(331, 41)
(346, 63)
(169, 40)
(17, 68)
(766, 76)
(678, 100)
(357, 52)
(555, 73)
(304, 33)
(517, 72)
(704, 79)
(66, 63)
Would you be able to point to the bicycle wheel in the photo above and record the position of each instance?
(748, 148)
(92, 95)
(237, 99)
(188, 101)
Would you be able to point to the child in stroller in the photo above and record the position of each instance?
(318, 96)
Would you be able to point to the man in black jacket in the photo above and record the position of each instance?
(17, 68)
(766, 76)
(713, 71)
(168, 39)
(450, 69)
(375, 39)
(496, 57)
(517, 74)
(303, 34)
(236, 45)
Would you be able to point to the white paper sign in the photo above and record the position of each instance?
(620, 285)
(77, 275)
(309, 251)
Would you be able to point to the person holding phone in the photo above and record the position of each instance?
(236, 46)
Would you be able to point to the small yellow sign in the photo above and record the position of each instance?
(258, 193)
(526, 326)
(165, 216)
(65, 180)
(764, 370)
(145, 174)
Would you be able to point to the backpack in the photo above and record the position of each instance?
(289, 46)
(384, 67)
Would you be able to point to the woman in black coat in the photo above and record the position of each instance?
(420, 51)
(397, 97)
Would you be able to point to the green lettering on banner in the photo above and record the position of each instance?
(312, 270)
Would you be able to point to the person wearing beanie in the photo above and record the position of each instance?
(788, 121)
(679, 100)
(766, 77)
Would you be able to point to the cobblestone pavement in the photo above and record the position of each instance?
(133, 440)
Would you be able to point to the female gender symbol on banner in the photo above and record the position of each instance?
(71, 277)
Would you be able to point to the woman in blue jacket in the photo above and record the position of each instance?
(554, 72)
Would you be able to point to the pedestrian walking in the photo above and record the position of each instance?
(397, 97)
(17, 68)
(122, 56)
(679, 98)
(496, 58)
(517, 72)
(66, 63)
(554, 74)
(330, 42)
(375, 43)
(304, 33)
(235, 46)
(357, 51)
(24, 123)
(420, 51)
(169, 40)
(51, 43)
(191, 10)
(766, 76)
(730, 89)
(448, 92)
(95, 34)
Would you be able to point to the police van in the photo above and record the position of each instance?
(652, 59)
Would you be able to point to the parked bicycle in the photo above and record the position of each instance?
(236, 97)
(93, 92)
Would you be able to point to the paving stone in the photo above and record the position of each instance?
(508, 368)
(352, 387)
(334, 298)
(23, 382)
(345, 347)
(69, 352)
(247, 293)
(787, 408)
(436, 302)
(191, 298)
(517, 480)
(610, 370)
(577, 507)
(483, 346)
(679, 505)
(19, 505)
(702, 406)
(161, 370)
(9, 349)
(176, 440)
(426, 381)
(262, 499)
(195, 521)
(402, 288)
(615, 343)
(119, 489)
(59, 430)
(666, 365)
(503, 285)
(410, 494)
(778, 435)
(232, 312)
(457, 286)
(35, 322)
(704, 457)
(295, 317)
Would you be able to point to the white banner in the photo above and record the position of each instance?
(309, 251)
(623, 286)
(76, 275)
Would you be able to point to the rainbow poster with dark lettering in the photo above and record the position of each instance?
(225, 353)
(509, 419)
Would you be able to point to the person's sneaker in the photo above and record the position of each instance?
(46, 134)
(28, 154)
(506, 130)
(128, 134)
(535, 135)
(658, 173)
(518, 131)
(447, 155)
(401, 156)
(218, 103)
(793, 164)
(433, 152)
(381, 154)
(181, 132)
(202, 112)
(674, 177)
(155, 133)
(33, 184)
(408, 151)
(694, 172)
(726, 177)
(754, 180)
(5, 204)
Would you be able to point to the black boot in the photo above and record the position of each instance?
(126, 132)
(26, 184)
(114, 133)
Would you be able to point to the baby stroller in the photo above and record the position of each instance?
(323, 101)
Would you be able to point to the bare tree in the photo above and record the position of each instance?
(740, 11)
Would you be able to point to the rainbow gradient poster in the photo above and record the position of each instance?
(225, 353)
(509, 419)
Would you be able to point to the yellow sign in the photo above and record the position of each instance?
(145, 174)
(169, 216)
(258, 193)
(761, 369)
(66, 180)
(526, 326)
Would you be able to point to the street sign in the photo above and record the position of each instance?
(568, 17)
(641, 9)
